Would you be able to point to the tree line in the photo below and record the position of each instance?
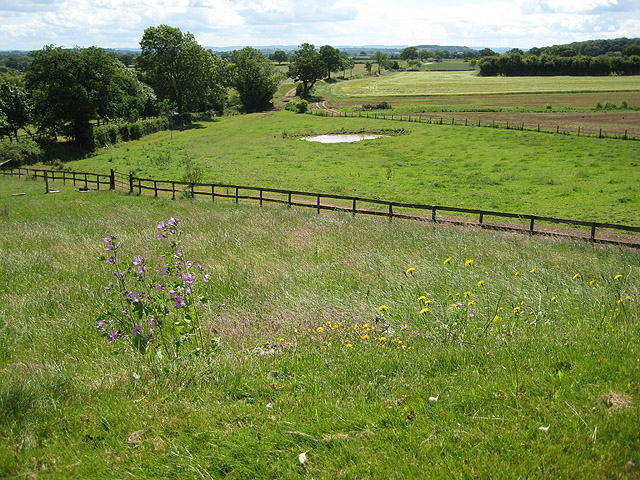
(515, 64)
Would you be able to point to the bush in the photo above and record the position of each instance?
(24, 152)
(376, 106)
(298, 105)
(123, 132)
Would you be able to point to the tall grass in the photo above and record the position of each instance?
(549, 391)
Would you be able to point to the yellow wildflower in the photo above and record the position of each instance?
(319, 329)
(627, 297)
(496, 319)
(423, 311)
(382, 339)
(620, 301)
(382, 308)
(409, 270)
(427, 302)
(592, 282)
(348, 345)
(466, 294)
(471, 303)
(366, 325)
(281, 339)
(517, 274)
(533, 270)
(618, 277)
(327, 323)
(365, 337)
(516, 309)
(553, 299)
(576, 276)
(468, 263)
(421, 298)
(481, 283)
(447, 260)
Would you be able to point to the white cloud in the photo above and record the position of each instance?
(28, 24)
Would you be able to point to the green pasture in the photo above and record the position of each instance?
(348, 347)
(580, 178)
(458, 83)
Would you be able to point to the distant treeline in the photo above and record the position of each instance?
(514, 64)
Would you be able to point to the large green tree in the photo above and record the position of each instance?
(409, 53)
(16, 107)
(71, 88)
(381, 59)
(178, 68)
(306, 66)
(331, 58)
(255, 78)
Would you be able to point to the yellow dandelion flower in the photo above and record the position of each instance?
(365, 337)
(319, 329)
(355, 327)
(618, 277)
(533, 270)
(516, 309)
(481, 283)
(281, 339)
(447, 260)
(382, 308)
(409, 270)
(627, 297)
(366, 325)
(295, 330)
(466, 294)
(496, 319)
(382, 339)
(499, 309)
(427, 302)
(348, 345)
(472, 302)
(576, 276)
(404, 347)
(421, 298)
(517, 274)
(620, 301)
(522, 302)
(468, 263)
(399, 342)
(592, 282)
(327, 323)
(553, 299)
(383, 346)
(423, 311)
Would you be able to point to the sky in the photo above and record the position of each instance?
(32, 24)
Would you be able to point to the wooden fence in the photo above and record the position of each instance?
(440, 120)
(600, 232)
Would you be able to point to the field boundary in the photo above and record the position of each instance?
(439, 120)
(610, 233)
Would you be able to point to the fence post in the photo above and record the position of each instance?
(46, 181)
(260, 197)
(213, 193)
(289, 200)
(531, 224)
(390, 211)
(354, 207)
(97, 181)
(86, 183)
(593, 231)
(139, 187)
(173, 190)
(155, 188)
(130, 181)
(433, 213)
(481, 217)
(318, 204)
(112, 180)
(192, 193)
(236, 194)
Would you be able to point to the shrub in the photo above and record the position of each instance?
(298, 105)
(376, 106)
(24, 152)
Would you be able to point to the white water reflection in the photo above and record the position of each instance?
(339, 138)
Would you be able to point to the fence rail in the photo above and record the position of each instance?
(532, 224)
(441, 120)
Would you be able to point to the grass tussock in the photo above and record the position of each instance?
(378, 349)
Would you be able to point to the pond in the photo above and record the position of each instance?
(339, 138)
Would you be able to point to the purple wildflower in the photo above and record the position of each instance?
(137, 296)
(473, 313)
(152, 320)
(137, 330)
(189, 278)
(107, 240)
(113, 335)
(206, 277)
(199, 267)
(163, 271)
(108, 248)
(138, 260)
(189, 263)
(178, 301)
(173, 222)
(159, 288)
(160, 225)
(111, 260)
(160, 235)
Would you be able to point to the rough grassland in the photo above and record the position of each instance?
(530, 352)
(506, 170)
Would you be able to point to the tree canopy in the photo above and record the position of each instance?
(179, 69)
(306, 66)
(255, 78)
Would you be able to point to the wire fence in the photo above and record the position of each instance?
(597, 232)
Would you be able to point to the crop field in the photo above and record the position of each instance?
(458, 83)
(571, 177)
(333, 346)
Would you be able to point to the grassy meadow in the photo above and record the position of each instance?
(581, 178)
(377, 349)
